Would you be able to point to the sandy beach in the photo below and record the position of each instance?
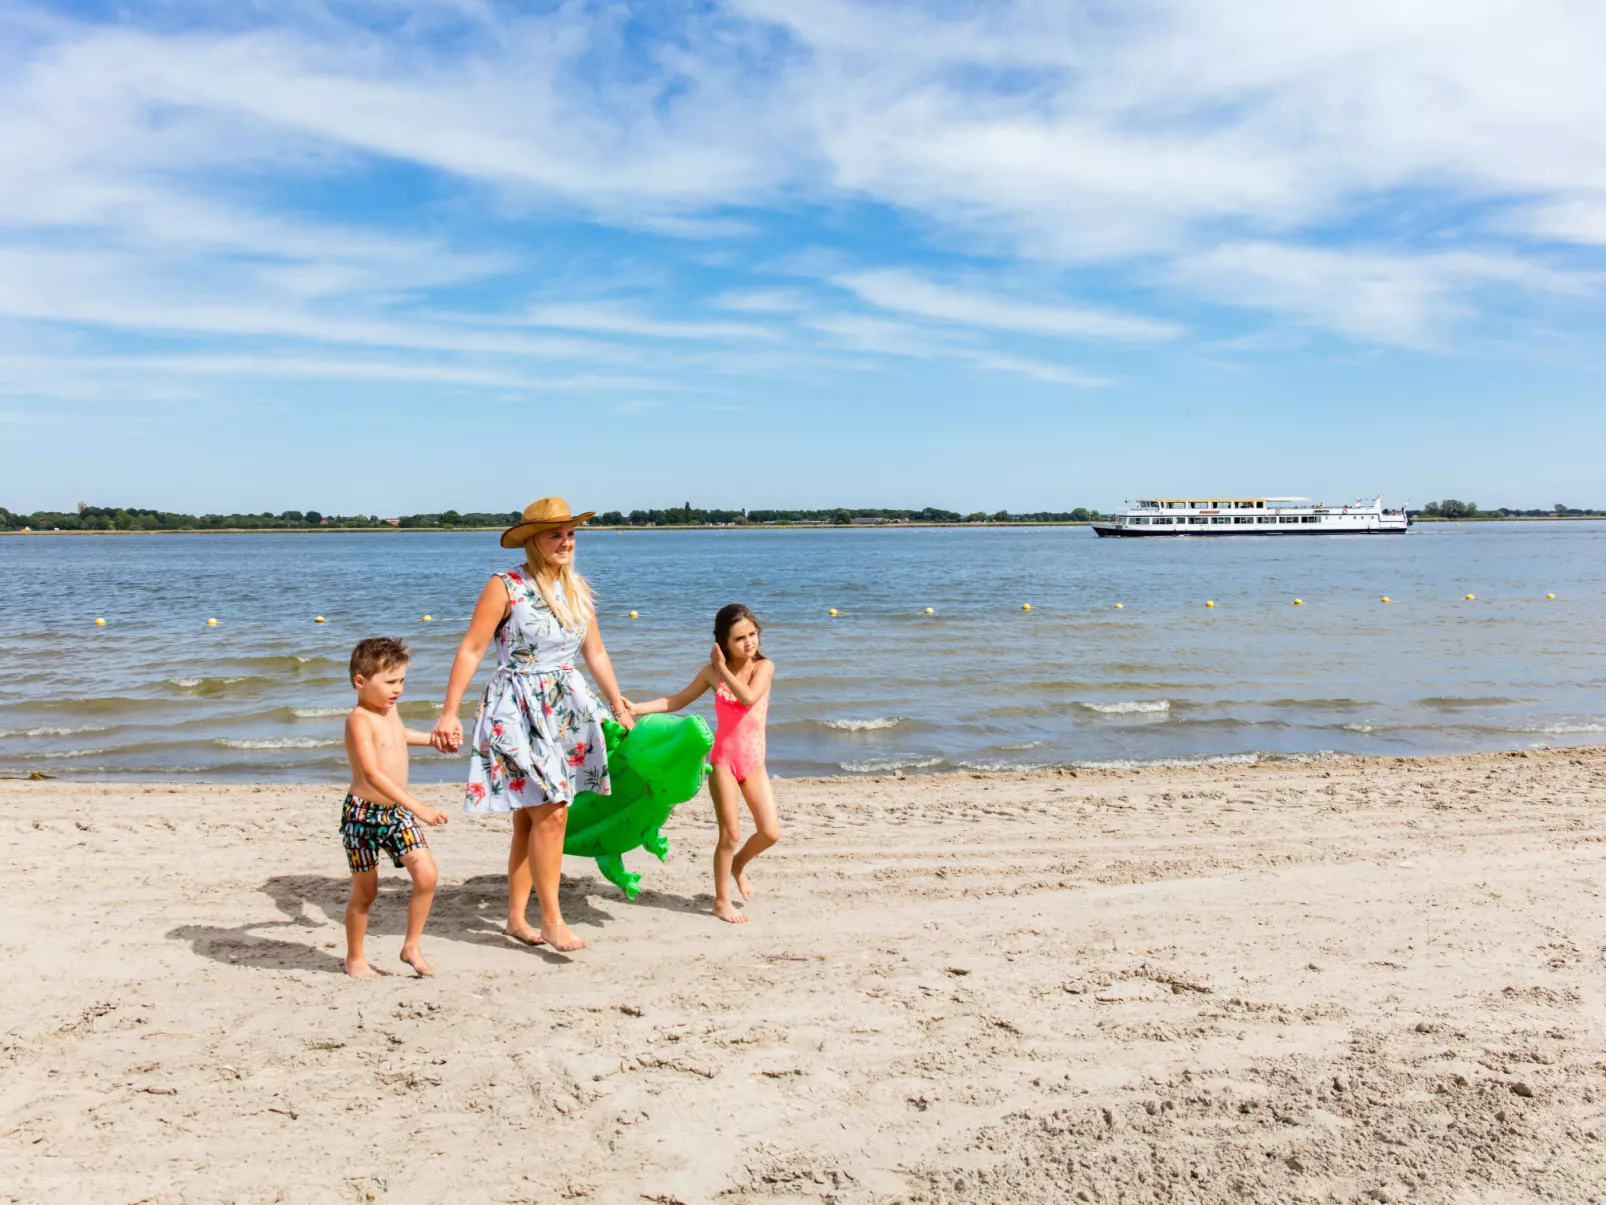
(1368, 979)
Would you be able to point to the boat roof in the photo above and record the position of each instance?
(1227, 498)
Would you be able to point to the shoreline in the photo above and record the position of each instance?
(988, 523)
(1354, 979)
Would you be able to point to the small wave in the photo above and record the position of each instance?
(1566, 729)
(236, 684)
(1219, 759)
(318, 713)
(53, 731)
(1359, 727)
(870, 725)
(1455, 702)
(1025, 745)
(994, 766)
(279, 742)
(887, 767)
(1131, 707)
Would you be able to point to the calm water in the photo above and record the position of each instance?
(979, 684)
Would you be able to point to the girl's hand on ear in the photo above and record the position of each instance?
(717, 657)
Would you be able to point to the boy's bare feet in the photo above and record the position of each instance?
(561, 938)
(743, 885)
(523, 933)
(358, 968)
(415, 959)
(727, 912)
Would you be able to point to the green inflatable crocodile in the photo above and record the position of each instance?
(660, 763)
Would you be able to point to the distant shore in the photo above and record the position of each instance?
(316, 531)
(793, 526)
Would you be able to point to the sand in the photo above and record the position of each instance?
(1354, 979)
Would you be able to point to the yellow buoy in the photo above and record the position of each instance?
(429, 619)
(633, 615)
(100, 623)
(1299, 602)
(929, 611)
(1470, 597)
(1026, 606)
(1550, 596)
(1118, 606)
(1208, 603)
(211, 623)
(1386, 598)
(833, 610)
(319, 619)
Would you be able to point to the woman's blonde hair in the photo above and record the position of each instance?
(573, 607)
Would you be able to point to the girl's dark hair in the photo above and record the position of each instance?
(729, 616)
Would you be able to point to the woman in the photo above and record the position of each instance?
(537, 739)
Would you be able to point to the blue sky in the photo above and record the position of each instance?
(399, 256)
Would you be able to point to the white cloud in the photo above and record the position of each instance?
(1406, 300)
(897, 289)
(858, 332)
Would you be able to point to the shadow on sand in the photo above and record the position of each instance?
(472, 911)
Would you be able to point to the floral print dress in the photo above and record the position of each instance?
(538, 732)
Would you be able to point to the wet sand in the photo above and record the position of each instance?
(1366, 979)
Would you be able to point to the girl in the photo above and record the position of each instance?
(537, 738)
(740, 676)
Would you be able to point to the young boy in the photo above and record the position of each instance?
(378, 813)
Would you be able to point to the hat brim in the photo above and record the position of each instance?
(515, 536)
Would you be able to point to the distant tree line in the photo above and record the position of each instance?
(1454, 508)
(133, 518)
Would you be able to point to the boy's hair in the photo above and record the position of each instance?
(376, 654)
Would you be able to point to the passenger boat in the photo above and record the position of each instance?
(1254, 517)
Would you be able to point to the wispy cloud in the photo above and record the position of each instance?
(898, 289)
(351, 191)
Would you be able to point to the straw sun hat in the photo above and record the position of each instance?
(542, 515)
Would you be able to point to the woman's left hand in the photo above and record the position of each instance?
(623, 716)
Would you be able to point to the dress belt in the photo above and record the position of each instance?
(563, 668)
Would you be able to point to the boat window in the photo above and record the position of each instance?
(1311, 519)
(1139, 519)
(1221, 520)
(1244, 519)
(1264, 519)
(1200, 519)
(1290, 518)
(1165, 519)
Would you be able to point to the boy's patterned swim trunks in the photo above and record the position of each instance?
(366, 828)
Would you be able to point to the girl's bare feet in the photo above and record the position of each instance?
(358, 968)
(727, 912)
(415, 959)
(523, 933)
(561, 938)
(743, 885)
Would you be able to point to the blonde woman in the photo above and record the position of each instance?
(537, 738)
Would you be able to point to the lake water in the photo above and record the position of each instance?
(980, 684)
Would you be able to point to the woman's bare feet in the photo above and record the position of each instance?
(727, 912)
(743, 885)
(358, 968)
(561, 938)
(415, 959)
(522, 932)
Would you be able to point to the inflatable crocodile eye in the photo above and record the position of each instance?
(653, 768)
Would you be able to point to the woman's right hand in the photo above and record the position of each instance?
(448, 733)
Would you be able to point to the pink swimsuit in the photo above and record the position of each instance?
(739, 735)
